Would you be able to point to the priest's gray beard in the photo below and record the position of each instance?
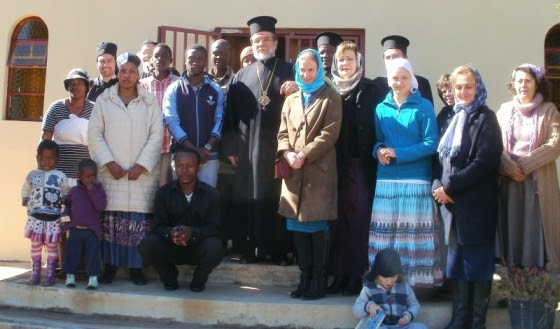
(264, 57)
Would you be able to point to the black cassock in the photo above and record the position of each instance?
(250, 132)
(423, 86)
(98, 86)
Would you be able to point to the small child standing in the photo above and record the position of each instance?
(385, 290)
(86, 201)
(43, 193)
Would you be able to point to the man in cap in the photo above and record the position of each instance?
(395, 46)
(326, 46)
(252, 121)
(106, 64)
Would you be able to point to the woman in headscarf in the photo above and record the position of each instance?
(125, 135)
(403, 212)
(467, 192)
(356, 170)
(529, 194)
(309, 128)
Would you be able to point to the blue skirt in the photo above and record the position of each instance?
(403, 218)
(121, 233)
(469, 263)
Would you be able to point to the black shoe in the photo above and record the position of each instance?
(108, 275)
(338, 285)
(137, 277)
(249, 259)
(197, 288)
(354, 287)
(282, 261)
(170, 286)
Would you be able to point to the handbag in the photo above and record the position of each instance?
(282, 169)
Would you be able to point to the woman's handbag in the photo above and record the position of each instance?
(282, 169)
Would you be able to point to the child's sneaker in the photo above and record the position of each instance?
(92, 284)
(70, 280)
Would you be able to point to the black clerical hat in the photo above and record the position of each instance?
(262, 24)
(395, 42)
(330, 38)
(106, 48)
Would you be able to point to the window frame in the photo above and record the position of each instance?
(14, 42)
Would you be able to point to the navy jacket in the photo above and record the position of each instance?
(473, 181)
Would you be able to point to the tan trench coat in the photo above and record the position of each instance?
(310, 194)
(541, 160)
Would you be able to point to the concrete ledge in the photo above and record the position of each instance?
(225, 304)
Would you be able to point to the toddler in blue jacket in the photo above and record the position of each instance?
(386, 290)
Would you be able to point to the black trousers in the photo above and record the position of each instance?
(259, 225)
(164, 256)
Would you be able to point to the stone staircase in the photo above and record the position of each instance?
(244, 296)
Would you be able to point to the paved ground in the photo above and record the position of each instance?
(37, 319)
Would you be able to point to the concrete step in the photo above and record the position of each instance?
(232, 272)
(226, 304)
(229, 300)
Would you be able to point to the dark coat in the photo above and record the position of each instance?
(423, 86)
(202, 214)
(98, 86)
(310, 194)
(357, 132)
(250, 132)
(473, 180)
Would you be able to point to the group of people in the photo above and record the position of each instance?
(354, 176)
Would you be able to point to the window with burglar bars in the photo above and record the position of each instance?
(27, 67)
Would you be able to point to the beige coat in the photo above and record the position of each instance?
(310, 194)
(127, 135)
(541, 160)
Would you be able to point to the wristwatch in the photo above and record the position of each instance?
(208, 147)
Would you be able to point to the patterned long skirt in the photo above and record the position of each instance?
(122, 232)
(403, 218)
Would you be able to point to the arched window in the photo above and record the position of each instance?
(552, 61)
(27, 66)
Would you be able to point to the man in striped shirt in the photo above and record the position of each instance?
(157, 83)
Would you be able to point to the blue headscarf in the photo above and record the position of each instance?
(318, 82)
(450, 143)
(479, 97)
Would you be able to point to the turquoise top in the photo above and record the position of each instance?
(411, 131)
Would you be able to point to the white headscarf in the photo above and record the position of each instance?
(397, 63)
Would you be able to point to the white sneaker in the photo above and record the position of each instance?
(70, 280)
(92, 284)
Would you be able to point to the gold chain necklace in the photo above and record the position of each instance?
(264, 100)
